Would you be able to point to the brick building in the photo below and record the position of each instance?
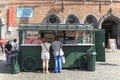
(102, 14)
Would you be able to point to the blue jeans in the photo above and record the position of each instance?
(58, 65)
(7, 58)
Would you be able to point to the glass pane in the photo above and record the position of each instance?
(84, 36)
(31, 37)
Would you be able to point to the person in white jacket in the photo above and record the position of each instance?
(14, 45)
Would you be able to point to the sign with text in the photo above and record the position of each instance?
(25, 12)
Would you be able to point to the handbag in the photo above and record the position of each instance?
(63, 59)
(61, 52)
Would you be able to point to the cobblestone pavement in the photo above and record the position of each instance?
(109, 70)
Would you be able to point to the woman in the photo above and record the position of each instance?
(8, 50)
(56, 45)
(45, 55)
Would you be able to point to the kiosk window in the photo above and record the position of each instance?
(79, 37)
(30, 37)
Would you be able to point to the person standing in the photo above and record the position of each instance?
(2, 45)
(45, 55)
(8, 50)
(14, 45)
(1, 49)
(56, 45)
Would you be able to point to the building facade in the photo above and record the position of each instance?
(102, 14)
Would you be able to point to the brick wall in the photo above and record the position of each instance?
(42, 8)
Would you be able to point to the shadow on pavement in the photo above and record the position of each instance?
(107, 64)
(4, 69)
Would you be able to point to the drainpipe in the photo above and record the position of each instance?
(62, 6)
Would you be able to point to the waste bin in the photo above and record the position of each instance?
(91, 57)
(15, 68)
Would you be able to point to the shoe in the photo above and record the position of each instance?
(6, 64)
(47, 72)
(44, 72)
(38, 71)
(55, 72)
(59, 71)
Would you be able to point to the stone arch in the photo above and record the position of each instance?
(106, 17)
(52, 19)
(2, 20)
(91, 19)
(2, 23)
(111, 24)
(72, 19)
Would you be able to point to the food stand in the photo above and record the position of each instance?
(78, 41)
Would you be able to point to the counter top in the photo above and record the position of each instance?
(30, 45)
(87, 44)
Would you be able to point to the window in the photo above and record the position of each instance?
(53, 19)
(31, 37)
(89, 20)
(24, 12)
(72, 19)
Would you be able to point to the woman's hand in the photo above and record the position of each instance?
(1, 54)
(9, 51)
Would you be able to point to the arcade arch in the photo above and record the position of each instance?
(111, 24)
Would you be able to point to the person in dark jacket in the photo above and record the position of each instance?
(8, 50)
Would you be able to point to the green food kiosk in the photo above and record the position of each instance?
(83, 45)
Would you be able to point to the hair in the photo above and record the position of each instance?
(56, 38)
(42, 35)
(44, 40)
(8, 42)
(15, 40)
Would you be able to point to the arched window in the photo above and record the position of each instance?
(72, 19)
(89, 20)
(92, 20)
(53, 19)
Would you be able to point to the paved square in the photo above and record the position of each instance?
(109, 70)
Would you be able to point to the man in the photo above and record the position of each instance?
(14, 45)
(8, 50)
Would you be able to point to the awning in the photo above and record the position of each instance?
(55, 27)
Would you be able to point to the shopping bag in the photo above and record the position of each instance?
(63, 59)
(61, 52)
